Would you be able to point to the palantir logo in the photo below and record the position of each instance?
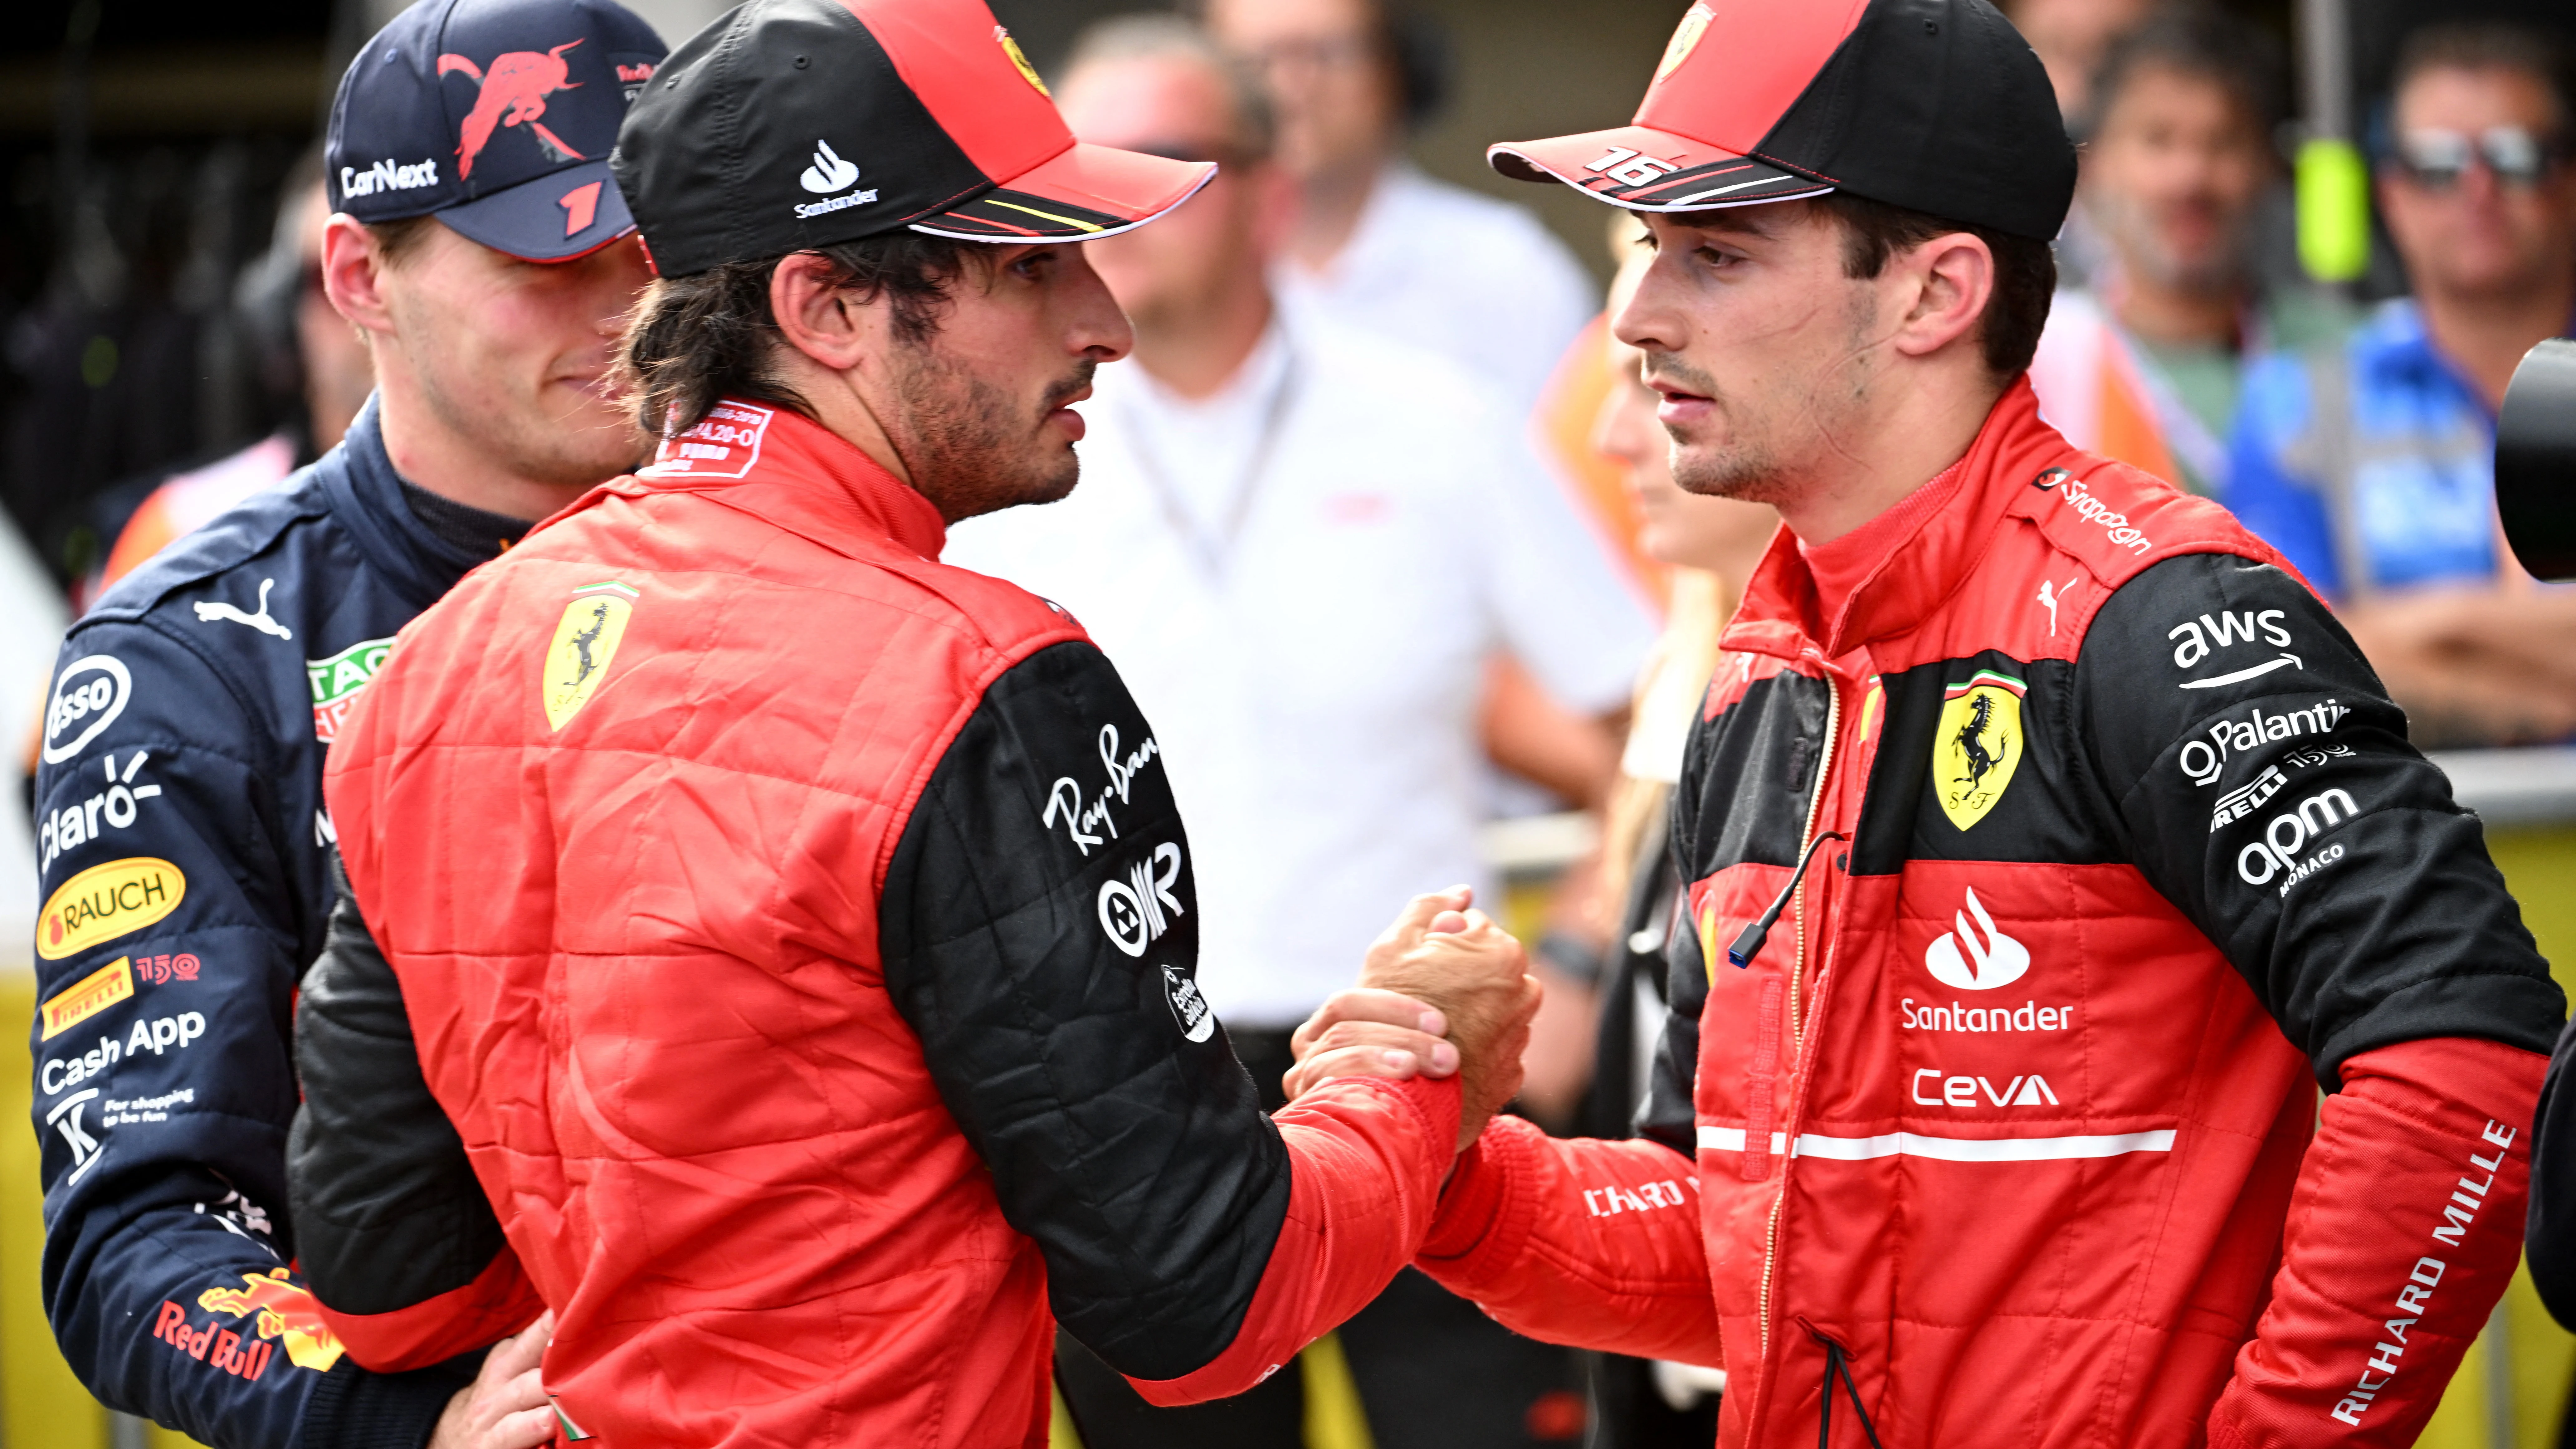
(829, 173)
(2000, 961)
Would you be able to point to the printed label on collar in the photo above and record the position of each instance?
(724, 444)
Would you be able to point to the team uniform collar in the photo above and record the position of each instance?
(768, 461)
(1922, 565)
(366, 497)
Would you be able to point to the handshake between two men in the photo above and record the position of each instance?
(1445, 991)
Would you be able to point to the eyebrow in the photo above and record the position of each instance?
(1731, 220)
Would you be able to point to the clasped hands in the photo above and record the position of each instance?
(1445, 991)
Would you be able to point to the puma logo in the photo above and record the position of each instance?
(208, 613)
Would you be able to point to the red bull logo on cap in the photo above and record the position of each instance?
(513, 93)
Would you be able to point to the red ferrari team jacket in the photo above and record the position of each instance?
(2003, 1135)
(776, 952)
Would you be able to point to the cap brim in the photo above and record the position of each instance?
(1644, 169)
(558, 217)
(1083, 193)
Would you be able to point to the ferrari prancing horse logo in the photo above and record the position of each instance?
(585, 640)
(1978, 744)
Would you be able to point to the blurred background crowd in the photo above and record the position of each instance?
(1377, 522)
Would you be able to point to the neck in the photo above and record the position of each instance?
(438, 459)
(2177, 315)
(1197, 351)
(2487, 334)
(1329, 206)
(1873, 467)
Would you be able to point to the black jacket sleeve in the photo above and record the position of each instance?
(387, 1208)
(167, 957)
(1039, 927)
(2263, 783)
(2551, 1240)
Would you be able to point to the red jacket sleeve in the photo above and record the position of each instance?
(2403, 1232)
(1365, 1161)
(1583, 1242)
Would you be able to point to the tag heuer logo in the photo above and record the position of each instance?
(337, 680)
(1978, 745)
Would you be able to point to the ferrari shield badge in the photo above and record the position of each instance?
(584, 642)
(1978, 744)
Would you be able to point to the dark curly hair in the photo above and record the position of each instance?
(697, 339)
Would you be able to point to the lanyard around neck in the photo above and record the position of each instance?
(1213, 552)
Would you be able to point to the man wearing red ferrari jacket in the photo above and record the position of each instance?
(772, 950)
(2048, 846)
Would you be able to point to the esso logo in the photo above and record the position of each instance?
(88, 697)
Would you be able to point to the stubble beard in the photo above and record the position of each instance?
(974, 449)
(1745, 467)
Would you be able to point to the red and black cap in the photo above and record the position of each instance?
(1937, 106)
(790, 124)
(497, 116)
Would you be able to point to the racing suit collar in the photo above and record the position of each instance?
(366, 496)
(772, 459)
(1925, 559)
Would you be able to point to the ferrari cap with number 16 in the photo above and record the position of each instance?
(1937, 106)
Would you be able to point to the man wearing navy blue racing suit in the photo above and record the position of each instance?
(483, 253)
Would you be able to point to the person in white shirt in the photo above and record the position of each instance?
(1300, 543)
(1373, 241)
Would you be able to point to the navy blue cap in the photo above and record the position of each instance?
(498, 117)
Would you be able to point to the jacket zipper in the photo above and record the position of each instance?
(1798, 969)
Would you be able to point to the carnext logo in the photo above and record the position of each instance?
(387, 175)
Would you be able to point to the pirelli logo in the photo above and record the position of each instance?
(87, 997)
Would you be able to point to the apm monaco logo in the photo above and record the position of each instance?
(828, 174)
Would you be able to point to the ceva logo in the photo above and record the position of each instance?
(829, 173)
(2000, 961)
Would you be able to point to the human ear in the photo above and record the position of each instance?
(353, 268)
(1953, 278)
(816, 314)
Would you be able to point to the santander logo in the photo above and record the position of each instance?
(1999, 961)
(829, 173)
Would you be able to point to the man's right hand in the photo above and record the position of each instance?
(506, 1405)
(1441, 971)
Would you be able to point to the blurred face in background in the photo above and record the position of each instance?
(2070, 38)
(1168, 273)
(1724, 536)
(1330, 80)
(2465, 228)
(510, 358)
(2173, 175)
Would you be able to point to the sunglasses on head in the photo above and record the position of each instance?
(2436, 160)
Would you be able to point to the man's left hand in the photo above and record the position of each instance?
(506, 1405)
